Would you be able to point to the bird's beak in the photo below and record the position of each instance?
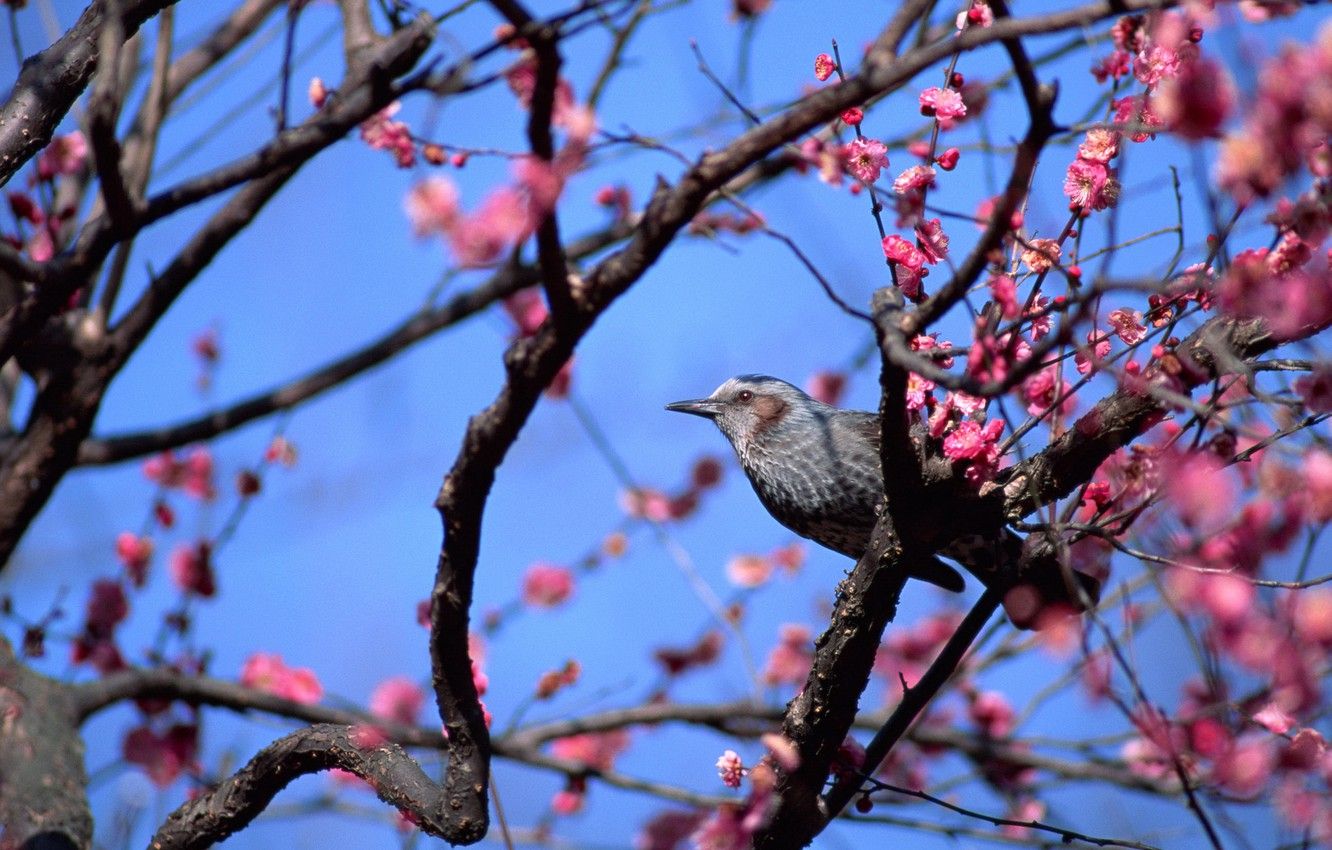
(705, 407)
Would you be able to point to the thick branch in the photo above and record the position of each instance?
(395, 777)
(52, 80)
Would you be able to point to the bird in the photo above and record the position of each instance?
(815, 467)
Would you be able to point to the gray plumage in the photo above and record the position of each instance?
(815, 467)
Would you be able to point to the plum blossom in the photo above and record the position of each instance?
(826, 386)
(944, 104)
(731, 769)
(134, 553)
(65, 154)
(381, 132)
(1090, 185)
(597, 750)
(547, 585)
(865, 159)
(164, 757)
(1196, 102)
(914, 179)
(432, 206)
(266, 671)
(1041, 255)
(824, 66)
(790, 660)
(191, 568)
(398, 699)
(1127, 325)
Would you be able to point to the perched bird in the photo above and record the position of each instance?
(815, 467)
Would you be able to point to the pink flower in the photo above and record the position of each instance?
(1089, 185)
(163, 757)
(790, 660)
(668, 830)
(646, 503)
(267, 672)
(1088, 359)
(731, 769)
(1127, 325)
(827, 387)
(399, 699)
(107, 608)
(380, 132)
(902, 252)
(1112, 67)
(1041, 255)
(943, 104)
(824, 67)
(192, 569)
(948, 159)
(992, 714)
(280, 451)
(65, 155)
(432, 206)
(527, 309)
(134, 552)
(978, 15)
(931, 240)
(547, 585)
(1138, 112)
(853, 116)
(317, 92)
(1100, 145)
(1198, 100)
(749, 570)
(597, 750)
(972, 441)
(1155, 64)
(481, 237)
(914, 179)
(1245, 768)
(1004, 291)
(1274, 719)
(865, 158)
(1041, 390)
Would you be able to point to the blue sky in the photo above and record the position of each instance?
(329, 564)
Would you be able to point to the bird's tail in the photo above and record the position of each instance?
(938, 573)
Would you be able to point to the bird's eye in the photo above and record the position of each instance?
(744, 396)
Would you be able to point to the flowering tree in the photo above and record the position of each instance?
(1115, 385)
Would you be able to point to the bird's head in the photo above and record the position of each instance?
(751, 408)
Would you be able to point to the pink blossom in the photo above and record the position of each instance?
(265, 671)
(1197, 101)
(1274, 719)
(726, 829)
(914, 179)
(380, 132)
(826, 386)
(930, 342)
(646, 503)
(1043, 388)
(568, 801)
(547, 585)
(1089, 358)
(134, 552)
(317, 92)
(667, 830)
(902, 252)
(731, 769)
(1317, 492)
(1127, 325)
(596, 750)
(979, 14)
(481, 237)
(1004, 291)
(705, 473)
(527, 309)
(932, 240)
(1245, 768)
(1312, 617)
(1154, 64)
(166, 756)
(975, 443)
(107, 608)
(1199, 490)
(1138, 113)
(918, 393)
(853, 116)
(790, 660)
(948, 159)
(432, 206)
(65, 155)
(782, 750)
(398, 699)
(1112, 67)
(865, 159)
(749, 570)
(943, 104)
(192, 569)
(1100, 145)
(1041, 255)
(992, 714)
(1089, 185)
(280, 451)
(824, 67)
